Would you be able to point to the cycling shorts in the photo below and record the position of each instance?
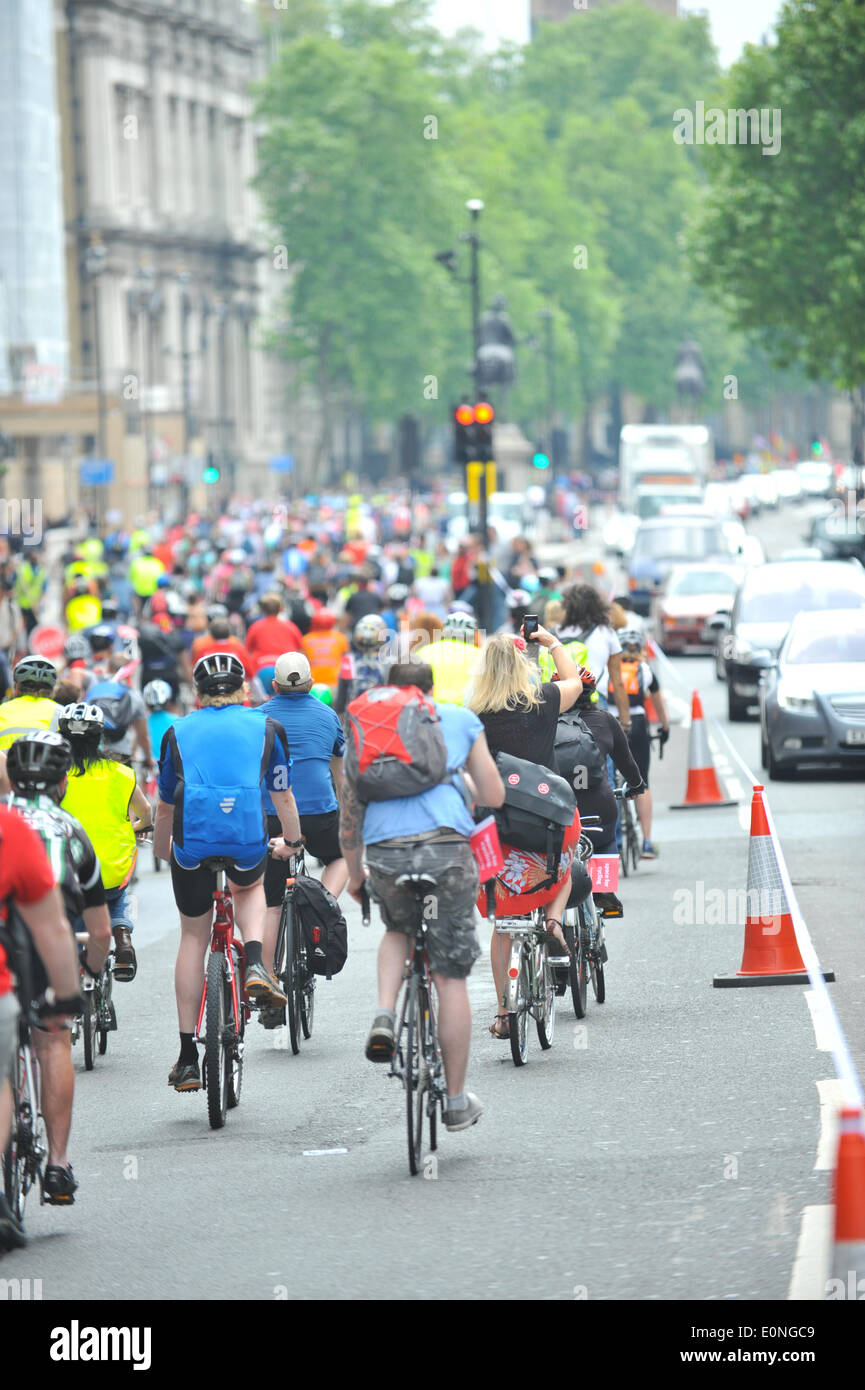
(194, 888)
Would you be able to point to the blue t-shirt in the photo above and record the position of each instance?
(225, 758)
(315, 734)
(442, 805)
(158, 724)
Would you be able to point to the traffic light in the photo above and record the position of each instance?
(540, 459)
(816, 448)
(484, 416)
(210, 474)
(464, 434)
(410, 460)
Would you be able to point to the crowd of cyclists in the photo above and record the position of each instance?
(199, 688)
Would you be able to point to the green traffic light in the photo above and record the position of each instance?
(541, 461)
(211, 475)
(817, 448)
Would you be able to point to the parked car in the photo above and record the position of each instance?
(817, 479)
(770, 597)
(665, 542)
(692, 594)
(812, 703)
(789, 485)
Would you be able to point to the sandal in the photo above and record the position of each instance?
(557, 945)
(501, 1027)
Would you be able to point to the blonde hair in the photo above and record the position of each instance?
(554, 613)
(618, 618)
(502, 679)
(234, 697)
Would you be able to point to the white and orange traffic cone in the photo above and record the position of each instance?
(771, 955)
(703, 788)
(848, 1255)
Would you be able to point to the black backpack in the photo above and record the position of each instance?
(578, 758)
(323, 925)
(115, 702)
(539, 807)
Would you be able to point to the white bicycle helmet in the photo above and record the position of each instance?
(370, 632)
(460, 622)
(80, 720)
(156, 694)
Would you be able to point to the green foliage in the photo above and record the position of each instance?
(781, 239)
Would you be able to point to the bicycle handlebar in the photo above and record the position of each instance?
(364, 904)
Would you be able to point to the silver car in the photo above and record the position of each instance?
(812, 701)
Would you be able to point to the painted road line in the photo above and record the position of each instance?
(831, 1099)
(811, 1265)
(820, 1019)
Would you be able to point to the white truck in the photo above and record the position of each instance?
(663, 465)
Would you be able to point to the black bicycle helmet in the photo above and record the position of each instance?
(81, 720)
(35, 673)
(38, 761)
(220, 673)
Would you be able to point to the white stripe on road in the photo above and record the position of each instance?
(811, 1265)
(820, 1019)
(831, 1098)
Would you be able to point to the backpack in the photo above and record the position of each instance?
(634, 680)
(323, 925)
(115, 701)
(578, 758)
(539, 807)
(395, 745)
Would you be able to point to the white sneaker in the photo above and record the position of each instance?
(464, 1119)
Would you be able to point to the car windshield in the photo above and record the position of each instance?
(678, 543)
(651, 506)
(507, 511)
(810, 647)
(703, 582)
(777, 599)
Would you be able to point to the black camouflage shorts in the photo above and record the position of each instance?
(452, 941)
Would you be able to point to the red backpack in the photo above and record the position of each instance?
(395, 745)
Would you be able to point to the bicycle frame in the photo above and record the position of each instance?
(525, 935)
(223, 939)
(417, 963)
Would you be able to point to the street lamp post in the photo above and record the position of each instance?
(94, 264)
(475, 208)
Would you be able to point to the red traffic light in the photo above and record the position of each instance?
(464, 415)
(484, 413)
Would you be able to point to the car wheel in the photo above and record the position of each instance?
(720, 673)
(778, 772)
(764, 751)
(737, 710)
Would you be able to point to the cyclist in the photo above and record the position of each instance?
(218, 638)
(453, 658)
(324, 647)
(612, 743)
(37, 766)
(158, 698)
(27, 886)
(32, 707)
(105, 797)
(640, 682)
(589, 638)
(362, 666)
(125, 712)
(211, 769)
(271, 634)
(427, 833)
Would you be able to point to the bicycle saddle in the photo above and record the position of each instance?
(421, 884)
(218, 862)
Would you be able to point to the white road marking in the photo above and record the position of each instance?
(831, 1099)
(319, 1153)
(811, 1265)
(820, 1019)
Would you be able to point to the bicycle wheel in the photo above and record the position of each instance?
(633, 841)
(307, 993)
(288, 957)
(546, 1018)
(216, 1060)
(596, 964)
(90, 1025)
(234, 1040)
(518, 1020)
(577, 966)
(415, 1071)
(105, 1007)
(15, 1157)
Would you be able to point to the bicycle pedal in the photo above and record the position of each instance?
(602, 954)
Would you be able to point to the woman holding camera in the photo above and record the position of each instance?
(519, 713)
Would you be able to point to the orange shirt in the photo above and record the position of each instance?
(203, 646)
(324, 652)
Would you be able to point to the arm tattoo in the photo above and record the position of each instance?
(350, 819)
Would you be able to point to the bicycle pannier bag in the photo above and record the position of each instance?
(395, 745)
(323, 926)
(539, 806)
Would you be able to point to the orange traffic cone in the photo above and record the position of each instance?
(771, 955)
(848, 1257)
(702, 788)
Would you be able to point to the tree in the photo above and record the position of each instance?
(781, 239)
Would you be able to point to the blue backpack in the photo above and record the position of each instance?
(115, 701)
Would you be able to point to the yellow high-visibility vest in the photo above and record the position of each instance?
(99, 798)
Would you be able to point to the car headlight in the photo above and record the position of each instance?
(796, 703)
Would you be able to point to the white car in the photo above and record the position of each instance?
(789, 484)
(767, 491)
(619, 532)
(817, 479)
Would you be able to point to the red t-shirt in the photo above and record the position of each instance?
(25, 873)
(268, 638)
(203, 646)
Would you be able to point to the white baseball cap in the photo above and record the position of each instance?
(292, 669)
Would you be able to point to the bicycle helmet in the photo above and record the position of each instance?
(156, 694)
(81, 720)
(460, 622)
(220, 673)
(38, 761)
(322, 692)
(588, 695)
(76, 647)
(370, 632)
(397, 594)
(631, 641)
(323, 620)
(216, 610)
(102, 637)
(34, 673)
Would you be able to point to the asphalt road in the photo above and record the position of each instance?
(664, 1149)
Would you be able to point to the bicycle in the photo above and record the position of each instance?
(291, 965)
(100, 1016)
(531, 986)
(26, 1151)
(224, 1011)
(582, 924)
(417, 1059)
(631, 846)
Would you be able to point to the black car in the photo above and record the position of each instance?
(767, 602)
